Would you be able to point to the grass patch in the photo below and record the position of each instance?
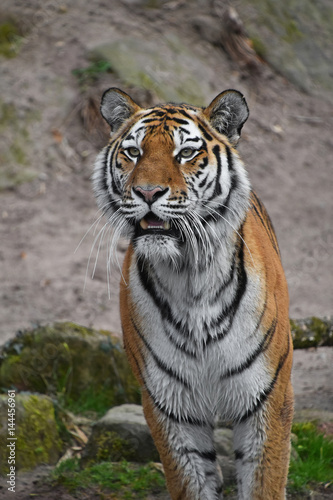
(314, 459)
(89, 402)
(127, 480)
(87, 76)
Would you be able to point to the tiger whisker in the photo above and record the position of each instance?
(229, 223)
(91, 251)
(95, 223)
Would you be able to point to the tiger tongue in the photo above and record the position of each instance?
(153, 222)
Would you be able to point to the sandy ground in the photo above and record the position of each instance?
(287, 146)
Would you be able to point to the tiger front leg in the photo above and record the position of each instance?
(262, 451)
(187, 453)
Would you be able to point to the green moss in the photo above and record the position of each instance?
(311, 332)
(259, 47)
(37, 439)
(292, 32)
(122, 480)
(36, 432)
(10, 39)
(318, 327)
(86, 370)
(111, 447)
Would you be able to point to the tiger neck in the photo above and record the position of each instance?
(195, 281)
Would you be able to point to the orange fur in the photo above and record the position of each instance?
(261, 259)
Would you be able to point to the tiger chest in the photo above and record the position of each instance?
(196, 357)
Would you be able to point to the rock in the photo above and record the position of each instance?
(36, 432)
(151, 64)
(224, 442)
(312, 332)
(122, 434)
(81, 365)
(294, 38)
(228, 468)
(208, 27)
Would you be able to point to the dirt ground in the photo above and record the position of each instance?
(287, 146)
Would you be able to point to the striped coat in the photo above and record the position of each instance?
(204, 302)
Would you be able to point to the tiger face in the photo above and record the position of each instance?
(171, 174)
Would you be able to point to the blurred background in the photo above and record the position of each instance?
(56, 59)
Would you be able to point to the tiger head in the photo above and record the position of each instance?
(170, 178)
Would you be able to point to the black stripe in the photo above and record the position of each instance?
(267, 224)
(179, 419)
(233, 178)
(205, 455)
(152, 120)
(205, 133)
(192, 139)
(148, 285)
(109, 167)
(207, 188)
(266, 393)
(171, 111)
(179, 120)
(184, 113)
(231, 310)
(203, 182)
(164, 308)
(230, 159)
(221, 209)
(106, 169)
(154, 112)
(217, 190)
(162, 366)
(239, 455)
(204, 163)
(226, 283)
(160, 113)
(251, 359)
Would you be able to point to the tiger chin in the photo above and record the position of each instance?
(203, 296)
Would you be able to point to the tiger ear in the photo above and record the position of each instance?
(117, 107)
(227, 113)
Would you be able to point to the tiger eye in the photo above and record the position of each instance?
(134, 152)
(186, 152)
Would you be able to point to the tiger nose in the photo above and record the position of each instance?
(149, 195)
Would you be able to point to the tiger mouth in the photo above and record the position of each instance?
(151, 224)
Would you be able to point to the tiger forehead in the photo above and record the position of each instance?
(166, 121)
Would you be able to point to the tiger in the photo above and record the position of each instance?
(203, 295)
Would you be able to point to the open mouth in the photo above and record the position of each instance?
(151, 224)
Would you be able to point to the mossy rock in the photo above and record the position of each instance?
(312, 332)
(37, 438)
(290, 33)
(121, 434)
(152, 64)
(87, 369)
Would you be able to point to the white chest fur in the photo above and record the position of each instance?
(196, 344)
